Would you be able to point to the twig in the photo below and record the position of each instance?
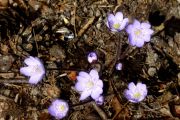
(115, 90)
(101, 113)
(120, 110)
(75, 5)
(118, 53)
(13, 81)
(85, 27)
(36, 42)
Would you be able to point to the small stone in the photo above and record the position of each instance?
(151, 71)
(6, 62)
(3, 3)
(28, 47)
(34, 4)
(177, 110)
(57, 53)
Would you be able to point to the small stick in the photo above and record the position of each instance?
(101, 113)
(13, 81)
(82, 30)
(120, 110)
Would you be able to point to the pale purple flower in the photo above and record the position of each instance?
(136, 93)
(119, 66)
(116, 22)
(89, 85)
(34, 69)
(139, 33)
(58, 108)
(92, 56)
(99, 100)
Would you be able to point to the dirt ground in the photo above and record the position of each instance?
(34, 28)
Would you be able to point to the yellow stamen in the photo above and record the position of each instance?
(116, 25)
(61, 108)
(137, 32)
(137, 95)
(90, 84)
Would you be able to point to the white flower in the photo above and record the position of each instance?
(119, 66)
(58, 108)
(100, 100)
(92, 57)
(34, 69)
(139, 33)
(136, 93)
(116, 22)
(89, 85)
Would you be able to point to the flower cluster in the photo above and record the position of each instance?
(34, 69)
(136, 93)
(89, 85)
(58, 108)
(138, 32)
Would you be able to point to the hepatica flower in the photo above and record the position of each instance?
(58, 108)
(139, 33)
(99, 100)
(92, 56)
(89, 85)
(119, 66)
(34, 69)
(136, 93)
(116, 22)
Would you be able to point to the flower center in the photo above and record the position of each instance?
(137, 95)
(61, 108)
(90, 84)
(116, 25)
(36, 69)
(137, 32)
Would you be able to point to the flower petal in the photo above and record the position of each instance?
(131, 86)
(27, 71)
(99, 83)
(148, 31)
(139, 43)
(84, 74)
(111, 17)
(94, 75)
(128, 94)
(30, 61)
(136, 24)
(85, 94)
(52, 111)
(146, 38)
(123, 24)
(111, 23)
(129, 29)
(80, 86)
(38, 61)
(34, 79)
(132, 40)
(96, 92)
(145, 25)
(142, 88)
(82, 79)
(119, 16)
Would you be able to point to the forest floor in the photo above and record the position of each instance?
(62, 33)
